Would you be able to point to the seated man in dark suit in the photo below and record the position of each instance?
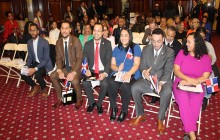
(98, 53)
(38, 62)
(68, 61)
(171, 42)
(156, 60)
(117, 31)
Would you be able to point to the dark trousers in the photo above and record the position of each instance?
(142, 86)
(54, 77)
(38, 76)
(87, 86)
(125, 89)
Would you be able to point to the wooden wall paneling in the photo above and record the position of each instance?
(4, 6)
(76, 4)
(54, 8)
(115, 5)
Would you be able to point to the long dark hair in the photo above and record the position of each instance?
(200, 47)
(131, 44)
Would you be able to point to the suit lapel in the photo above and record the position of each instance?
(32, 50)
(102, 50)
(38, 48)
(92, 52)
(70, 45)
(159, 58)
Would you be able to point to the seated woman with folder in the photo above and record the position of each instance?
(125, 63)
(192, 66)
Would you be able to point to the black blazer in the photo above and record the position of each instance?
(178, 12)
(116, 34)
(105, 53)
(194, 13)
(176, 46)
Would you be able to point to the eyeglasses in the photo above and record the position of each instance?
(33, 30)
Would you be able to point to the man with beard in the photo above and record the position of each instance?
(68, 62)
(38, 62)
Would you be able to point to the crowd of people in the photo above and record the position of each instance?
(178, 44)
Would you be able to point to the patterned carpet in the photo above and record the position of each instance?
(26, 118)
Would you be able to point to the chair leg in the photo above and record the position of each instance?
(199, 121)
(8, 75)
(168, 116)
(86, 102)
(132, 115)
(19, 80)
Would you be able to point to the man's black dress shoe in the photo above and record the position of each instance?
(91, 107)
(99, 109)
(154, 100)
(122, 116)
(113, 114)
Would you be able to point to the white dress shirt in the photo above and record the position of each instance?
(101, 67)
(67, 40)
(35, 42)
(166, 43)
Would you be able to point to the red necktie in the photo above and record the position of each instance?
(97, 58)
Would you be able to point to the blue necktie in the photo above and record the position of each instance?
(66, 58)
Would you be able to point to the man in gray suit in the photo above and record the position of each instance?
(157, 59)
(98, 53)
(38, 62)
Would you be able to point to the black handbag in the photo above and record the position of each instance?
(68, 94)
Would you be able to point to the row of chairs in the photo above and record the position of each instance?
(15, 65)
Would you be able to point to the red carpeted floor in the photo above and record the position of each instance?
(33, 119)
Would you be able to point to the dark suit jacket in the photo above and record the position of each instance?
(74, 54)
(146, 34)
(194, 13)
(43, 54)
(116, 34)
(164, 64)
(176, 46)
(80, 13)
(105, 54)
(178, 12)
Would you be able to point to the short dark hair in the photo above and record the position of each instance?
(131, 44)
(101, 25)
(7, 12)
(158, 31)
(65, 21)
(172, 28)
(34, 24)
(200, 47)
(201, 30)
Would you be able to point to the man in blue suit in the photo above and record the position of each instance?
(38, 62)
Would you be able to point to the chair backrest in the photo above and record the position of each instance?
(142, 46)
(9, 47)
(48, 39)
(53, 42)
(21, 47)
(137, 37)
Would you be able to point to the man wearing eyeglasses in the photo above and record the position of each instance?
(156, 60)
(38, 62)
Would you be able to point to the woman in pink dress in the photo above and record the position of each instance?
(191, 67)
